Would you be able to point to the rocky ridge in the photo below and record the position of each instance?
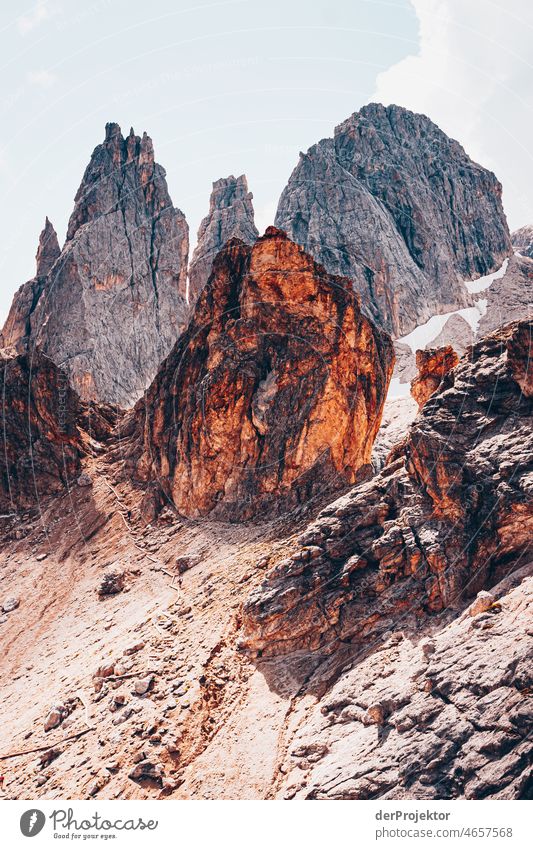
(522, 240)
(17, 327)
(395, 205)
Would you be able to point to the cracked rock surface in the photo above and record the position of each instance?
(272, 395)
(451, 508)
(398, 207)
(231, 215)
(445, 717)
(113, 303)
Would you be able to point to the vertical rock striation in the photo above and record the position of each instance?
(40, 445)
(113, 303)
(398, 207)
(231, 215)
(273, 394)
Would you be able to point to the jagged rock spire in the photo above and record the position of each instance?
(231, 214)
(48, 249)
(113, 304)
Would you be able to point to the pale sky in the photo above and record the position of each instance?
(241, 86)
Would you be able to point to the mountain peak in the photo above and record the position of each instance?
(231, 215)
(48, 249)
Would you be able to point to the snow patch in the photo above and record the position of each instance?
(482, 283)
(421, 336)
(398, 390)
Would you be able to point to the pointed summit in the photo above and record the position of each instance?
(231, 215)
(48, 249)
(115, 302)
(398, 207)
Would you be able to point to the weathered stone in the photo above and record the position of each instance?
(433, 364)
(273, 394)
(55, 717)
(522, 240)
(112, 583)
(462, 733)
(40, 442)
(483, 602)
(113, 303)
(17, 327)
(142, 685)
(439, 523)
(231, 215)
(146, 769)
(398, 207)
(10, 604)
(456, 333)
(509, 297)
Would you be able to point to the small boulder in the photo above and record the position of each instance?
(483, 602)
(142, 685)
(55, 717)
(183, 564)
(47, 757)
(428, 646)
(112, 583)
(10, 604)
(146, 769)
(375, 715)
(84, 479)
(132, 649)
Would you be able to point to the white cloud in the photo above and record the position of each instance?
(471, 75)
(36, 16)
(42, 78)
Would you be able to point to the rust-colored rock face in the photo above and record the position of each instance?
(432, 364)
(445, 519)
(272, 395)
(40, 446)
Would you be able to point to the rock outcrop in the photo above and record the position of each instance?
(456, 332)
(48, 249)
(398, 207)
(40, 445)
(113, 303)
(17, 328)
(443, 717)
(231, 215)
(273, 394)
(444, 519)
(510, 297)
(522, 240)
(433, 364)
